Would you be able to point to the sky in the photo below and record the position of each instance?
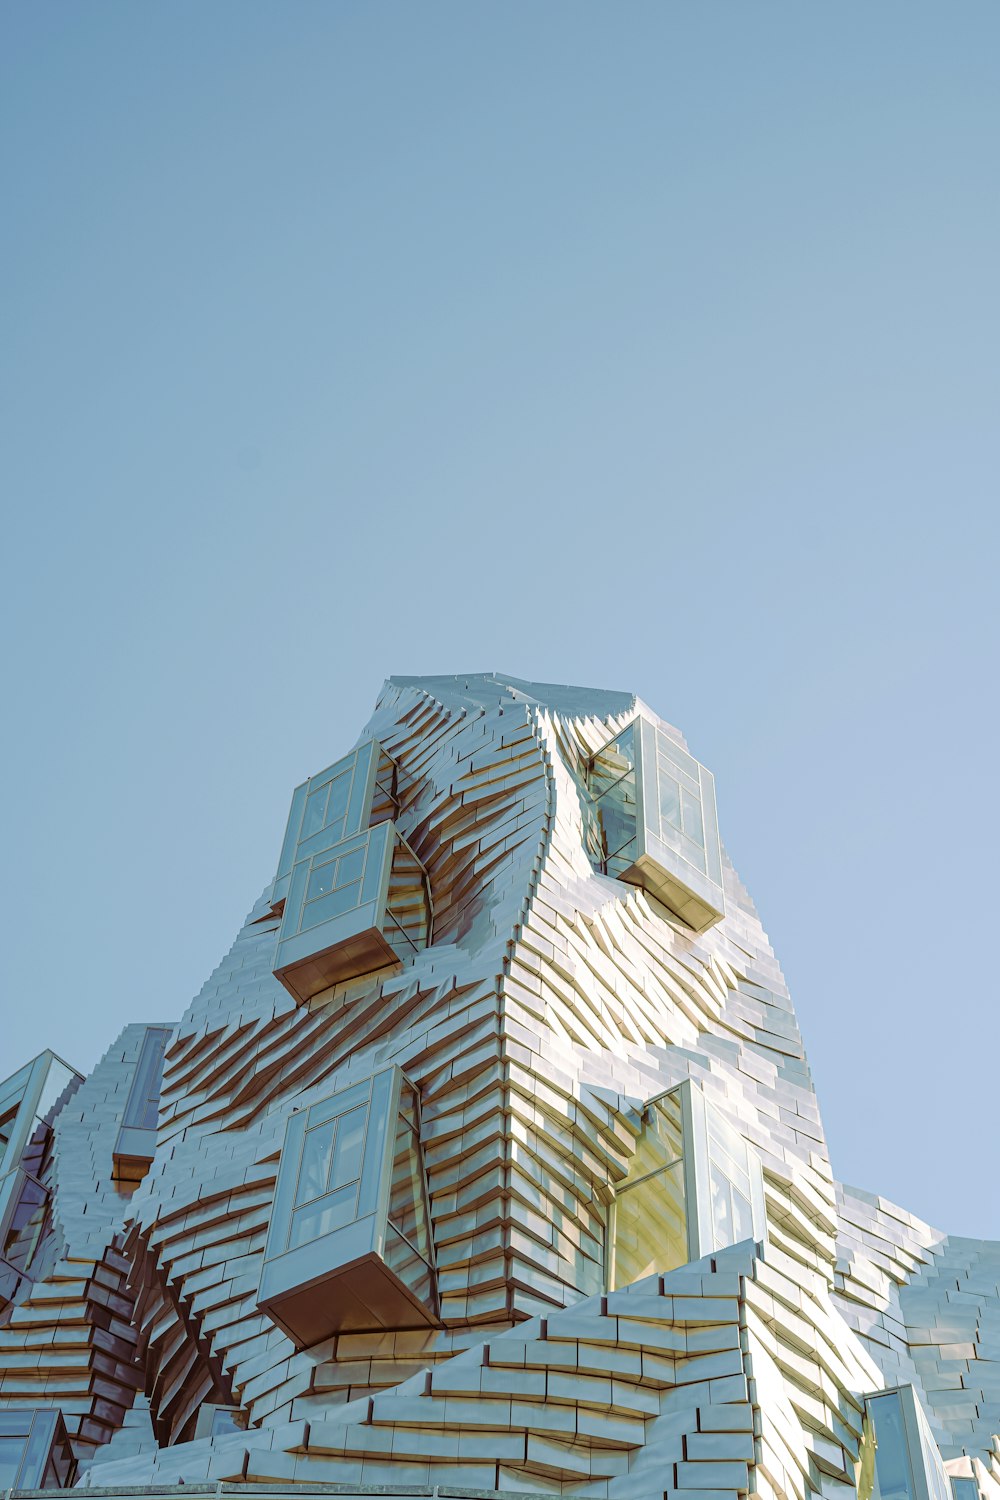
(643, 346)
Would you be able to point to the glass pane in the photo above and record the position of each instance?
(612, 782)
(12, 1089)
(375, 1144)
(340, 1103)
(339, 791)
(670, 800)
(228, 1419)
(330, 1213)
(612, 763)
(722, 1212)
(693, 853)
(37, 1450)
(6, 1130)
(351, 867)
(332, 905)
(670, 749)
(650, 1233)
(691, 811)
(313, 817)
(742, 1218)
(142, 1108)
(404, 1262)
(57, 1080)
(892, 1466)
(320, 880)
(934, 1470)
(314, 1173)
(659, 1144)
(408, 1104)
(406, 1196)
(350, 1143)
(11, 1453)
(624, 859)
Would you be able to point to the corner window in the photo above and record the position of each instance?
(29, 1101)
(349, 1244)
(694, 1186)
(652, 822)
(34, 1450)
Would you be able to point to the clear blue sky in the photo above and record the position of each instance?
(648, 346)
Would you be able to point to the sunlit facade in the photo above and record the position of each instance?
(486, 1161)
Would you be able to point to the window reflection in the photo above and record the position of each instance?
(694, 1185)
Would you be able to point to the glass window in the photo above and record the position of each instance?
(142, 1109)
(315, 814)
(340, 791)
(332, 905)
(11, 1454)
(326, 1192)
(406, 1193)
(351, 1187)
(673, 849)
(349, 1147)
(351, 867)
(612, 782)
(324, 1216)
(7, 1120)
(317, 1151)
(321, 880)
(892, 1464)
(649, 1220)
(670, 801)
(650, 1227)
(692, 822)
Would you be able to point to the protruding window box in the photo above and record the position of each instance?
(28, 1101)
(355, 895)
(34, 1450)
(349, 1245)
(654, 822)
(357, 906)
(136, 1143)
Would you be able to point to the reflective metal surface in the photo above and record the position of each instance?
(514, 1182)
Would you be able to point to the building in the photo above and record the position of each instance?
(488, 1159)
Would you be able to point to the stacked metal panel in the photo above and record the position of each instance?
(545, 1006)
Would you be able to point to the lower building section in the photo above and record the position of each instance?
(486, 1162)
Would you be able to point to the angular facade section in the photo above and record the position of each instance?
(348, 1248)
(352, 894)
(486, 1161)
